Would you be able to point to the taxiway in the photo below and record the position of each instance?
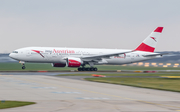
(54, 94)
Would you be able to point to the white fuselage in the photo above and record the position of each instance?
(57, 55)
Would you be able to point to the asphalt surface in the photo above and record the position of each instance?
(82, 77)
(75, 77)
(54, 94)
(59, 73)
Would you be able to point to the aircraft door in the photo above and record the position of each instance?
(28, 53)
(133, 57)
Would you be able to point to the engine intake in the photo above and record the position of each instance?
(74, 62)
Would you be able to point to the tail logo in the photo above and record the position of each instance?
(154, 39)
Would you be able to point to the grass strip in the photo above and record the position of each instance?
(124, 74)
(168, 84)
(47, 66)
(12, 104)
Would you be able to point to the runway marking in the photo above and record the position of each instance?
(102, 93)
(67, 92)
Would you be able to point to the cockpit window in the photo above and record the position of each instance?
(15, 52)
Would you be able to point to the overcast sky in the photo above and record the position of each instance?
(122, 24)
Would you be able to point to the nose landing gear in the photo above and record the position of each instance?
(23, 67)
(23, 64)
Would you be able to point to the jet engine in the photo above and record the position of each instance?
(58, 64)
(74, 62)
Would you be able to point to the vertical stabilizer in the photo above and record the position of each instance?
(149, 44)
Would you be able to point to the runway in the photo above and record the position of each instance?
(54, 94)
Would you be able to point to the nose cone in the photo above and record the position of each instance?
(13, 56)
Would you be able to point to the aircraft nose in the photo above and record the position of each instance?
(13, 56)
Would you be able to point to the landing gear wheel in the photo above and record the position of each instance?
(91, 69)
(79, 69)
(94, 69)
(23, 67)
(87, 69)
(83, 69)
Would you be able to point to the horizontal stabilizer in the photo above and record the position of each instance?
(158, 54)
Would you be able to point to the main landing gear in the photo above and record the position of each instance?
(87, 69)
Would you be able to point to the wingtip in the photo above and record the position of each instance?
(158, 29)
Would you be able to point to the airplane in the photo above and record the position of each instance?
(80, 57)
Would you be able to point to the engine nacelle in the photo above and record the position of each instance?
(74, 62)
(58, 64)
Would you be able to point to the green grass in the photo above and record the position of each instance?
(11, 104)
(169, 84)
(31, 67)
(119, 67)
(47, 66)
(124, 74)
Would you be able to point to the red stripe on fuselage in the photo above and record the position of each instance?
(39, 52)
(36, 51)
(144, 47)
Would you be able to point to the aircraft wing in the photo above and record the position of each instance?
(157, 54)
(99, 57)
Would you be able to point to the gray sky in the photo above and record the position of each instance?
(120, 24)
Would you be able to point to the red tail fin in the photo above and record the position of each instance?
(150, 42)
